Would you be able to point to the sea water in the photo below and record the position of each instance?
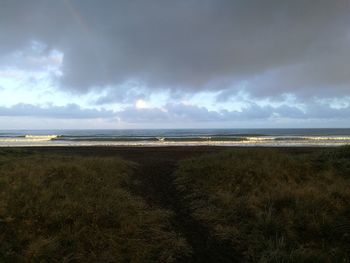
(176, 137)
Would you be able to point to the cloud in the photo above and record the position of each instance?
(180, 113)
(126, 93)
(276, 47)
(70, 111)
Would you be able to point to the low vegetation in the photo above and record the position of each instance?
(78, 209)
(260, 205)
(271, 206)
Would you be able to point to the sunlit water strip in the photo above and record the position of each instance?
(177, 137)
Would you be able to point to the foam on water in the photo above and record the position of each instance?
(28, 138)
(159, 138)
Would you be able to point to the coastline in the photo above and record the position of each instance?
(177, 138)
(266, 143)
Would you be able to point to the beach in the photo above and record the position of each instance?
(174, 131)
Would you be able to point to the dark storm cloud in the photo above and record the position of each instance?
(278, 46)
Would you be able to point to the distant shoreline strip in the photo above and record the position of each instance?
(55, 143)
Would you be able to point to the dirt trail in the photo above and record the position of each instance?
(155, 174)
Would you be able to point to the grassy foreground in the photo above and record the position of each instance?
(75, 209)
(272, 206)
(190, 204)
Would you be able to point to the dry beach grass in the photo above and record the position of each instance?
(190, 204)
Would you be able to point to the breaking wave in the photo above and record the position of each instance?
(174, 137)
(41, 137)
(29, 138)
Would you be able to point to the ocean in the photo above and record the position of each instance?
(176, 137)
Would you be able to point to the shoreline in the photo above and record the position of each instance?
(275, 144)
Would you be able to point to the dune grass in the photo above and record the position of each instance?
(268, 205)
(273, 207)
(78, 209)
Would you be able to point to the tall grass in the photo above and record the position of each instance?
(273, 207)
(75, 209)
(268, 205)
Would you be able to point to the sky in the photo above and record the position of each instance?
(114, 64)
